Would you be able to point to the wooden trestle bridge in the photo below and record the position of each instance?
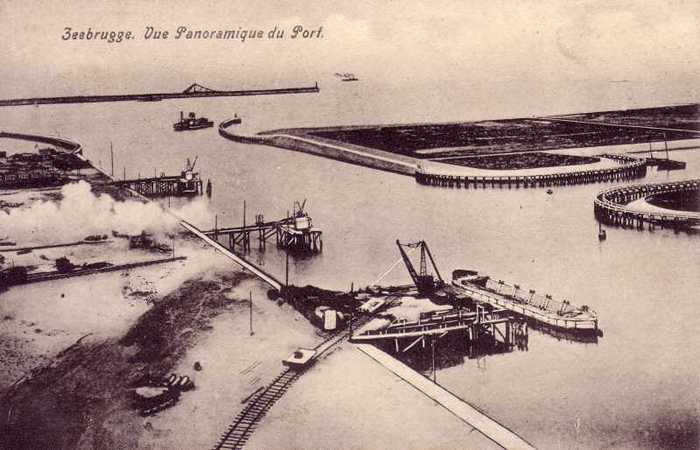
(495, 322)
(611, 206)
(294, 233)
(188, 183)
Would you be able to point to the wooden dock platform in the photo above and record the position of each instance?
(164, 186)
(292, 233)
(489, 427)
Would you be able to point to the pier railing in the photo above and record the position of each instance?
(436, 323)
(611, 206)
(630, 168)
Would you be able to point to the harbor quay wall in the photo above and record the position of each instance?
(318, 148)
(64, 144)
(321, 149)
(611, 206)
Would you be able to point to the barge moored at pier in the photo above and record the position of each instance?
(542, 309)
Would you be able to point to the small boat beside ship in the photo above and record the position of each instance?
(192, 122)
(543, 309)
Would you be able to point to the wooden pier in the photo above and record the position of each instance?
(164, 186)
(611, 206)
(470, 415)
(292, 233)
(194, 90)
(188, 184)
(474, 324)
(630, 168)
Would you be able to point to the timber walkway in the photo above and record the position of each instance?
(490, 428)
(629, 168)
(257, 271)
(436, 324)
(611, 206)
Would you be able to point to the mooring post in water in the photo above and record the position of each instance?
(251, 312)
(432, 347)
(286, 271)
(246, 235)
(111, 154)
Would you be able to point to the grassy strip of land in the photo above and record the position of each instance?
(681, 201)
(522, 161)
(678, 117)
(426, 141)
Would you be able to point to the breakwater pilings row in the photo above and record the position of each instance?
(611, 206)
(630, 168)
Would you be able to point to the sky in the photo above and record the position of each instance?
(519, 45)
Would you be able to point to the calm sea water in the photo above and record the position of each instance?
(636, 388)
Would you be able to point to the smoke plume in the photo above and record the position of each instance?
(81, 213)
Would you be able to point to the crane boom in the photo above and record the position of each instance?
(409, 265)
(425, 282)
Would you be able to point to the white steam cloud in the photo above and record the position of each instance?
(81, 213)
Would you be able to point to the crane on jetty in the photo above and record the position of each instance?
(425, 282)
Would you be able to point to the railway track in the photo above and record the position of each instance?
(259, 404)
(246, 421)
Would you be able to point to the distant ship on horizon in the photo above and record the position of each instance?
(346, 76)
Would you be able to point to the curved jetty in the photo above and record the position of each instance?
(627, 168)
(495, 153)
(612, 206)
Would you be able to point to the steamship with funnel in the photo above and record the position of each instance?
(192, 122)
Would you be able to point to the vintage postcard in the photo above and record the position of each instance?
(349, 225)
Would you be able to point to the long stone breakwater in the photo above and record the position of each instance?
(611, 206)
(375, 159)
(65, 144)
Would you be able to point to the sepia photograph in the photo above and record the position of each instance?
(360, 225)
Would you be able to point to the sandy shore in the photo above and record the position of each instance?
(235, 364)
(37, 321)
